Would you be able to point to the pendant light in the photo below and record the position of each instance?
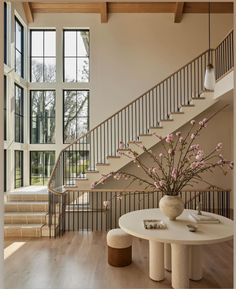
(209, 80)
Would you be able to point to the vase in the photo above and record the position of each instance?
(171, 206)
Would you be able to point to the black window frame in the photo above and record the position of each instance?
(41, 151)
(5, 106)
(5, 170)
(19, 116)
(76, 57)
(31, 118)
(63, 113)
(5, 33)
(43, 57)
(21, 157)
(17, 21)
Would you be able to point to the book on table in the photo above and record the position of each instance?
(204, 218)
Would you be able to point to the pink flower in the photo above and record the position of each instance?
(154, 170)
(161, 183)
(193, 136)
(121, 145)
(106, 204)
(199, 155)
(170, 138)
(174, 173)
(156, 185)
(192, 122)
(219, 146)
(195, 147)
(203, 123)
(181, 139)
(171, 152)
(193, 165)
(93, 185)
(178, 134)
(160, 155)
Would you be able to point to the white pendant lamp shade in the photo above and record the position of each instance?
(210, 80)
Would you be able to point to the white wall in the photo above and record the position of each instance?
(133, 52)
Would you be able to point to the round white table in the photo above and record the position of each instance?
(186, 249)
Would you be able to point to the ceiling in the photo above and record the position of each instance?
(105, 8)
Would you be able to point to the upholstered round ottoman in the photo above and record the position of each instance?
(119, 248)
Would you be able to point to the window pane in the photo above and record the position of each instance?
(42, 163)
(18, 63)
(70, 132)
(49, 69)
(18, 169)
(37, 43)
(19, 34)
(19, 114)
(5, 32)
(43, 56)
(50, 43)
(82, 43)
(42, 116)
(82, 69)
(76, 56)
(70, 69)
(37, 69)
(75, 114)
(70, 43)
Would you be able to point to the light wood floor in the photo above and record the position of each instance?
(79, 261)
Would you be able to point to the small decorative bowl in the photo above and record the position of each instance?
(192, 228)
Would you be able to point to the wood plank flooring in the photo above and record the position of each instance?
(79, 261)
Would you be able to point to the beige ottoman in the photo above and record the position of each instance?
(119, 248)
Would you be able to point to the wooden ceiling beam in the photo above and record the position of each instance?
(28, 12)
(179, 9)
(131, 7)
(104, 12)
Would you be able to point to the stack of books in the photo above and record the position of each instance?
(203, 219)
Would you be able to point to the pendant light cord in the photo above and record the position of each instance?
(209, 30)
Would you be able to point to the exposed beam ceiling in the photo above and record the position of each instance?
(177, 8)
(179, 12)
(28, 12)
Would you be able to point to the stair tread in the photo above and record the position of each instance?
(24, 226)
(26, 202)
(25, 214)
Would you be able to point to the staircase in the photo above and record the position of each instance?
(163, 109)
(26, 214)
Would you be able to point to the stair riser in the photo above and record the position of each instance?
(26, 207)
(27, 197)
(23, 232)
(24, 220)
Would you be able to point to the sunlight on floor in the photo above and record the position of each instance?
(11, 249)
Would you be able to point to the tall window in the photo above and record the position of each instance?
(5, 170)
(76, 55)
(19, 114)
(5, 32)
(41, 165)
(5, 107)
(43, 55)
(76, 114)
(19, 169)
(19, 48)
(42, 116)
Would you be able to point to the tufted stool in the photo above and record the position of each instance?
(119, 248)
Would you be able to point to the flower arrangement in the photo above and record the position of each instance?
(182, 162)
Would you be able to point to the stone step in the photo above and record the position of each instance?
(26, 206)
(21, 197)
(23, 230)
(25, 218)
